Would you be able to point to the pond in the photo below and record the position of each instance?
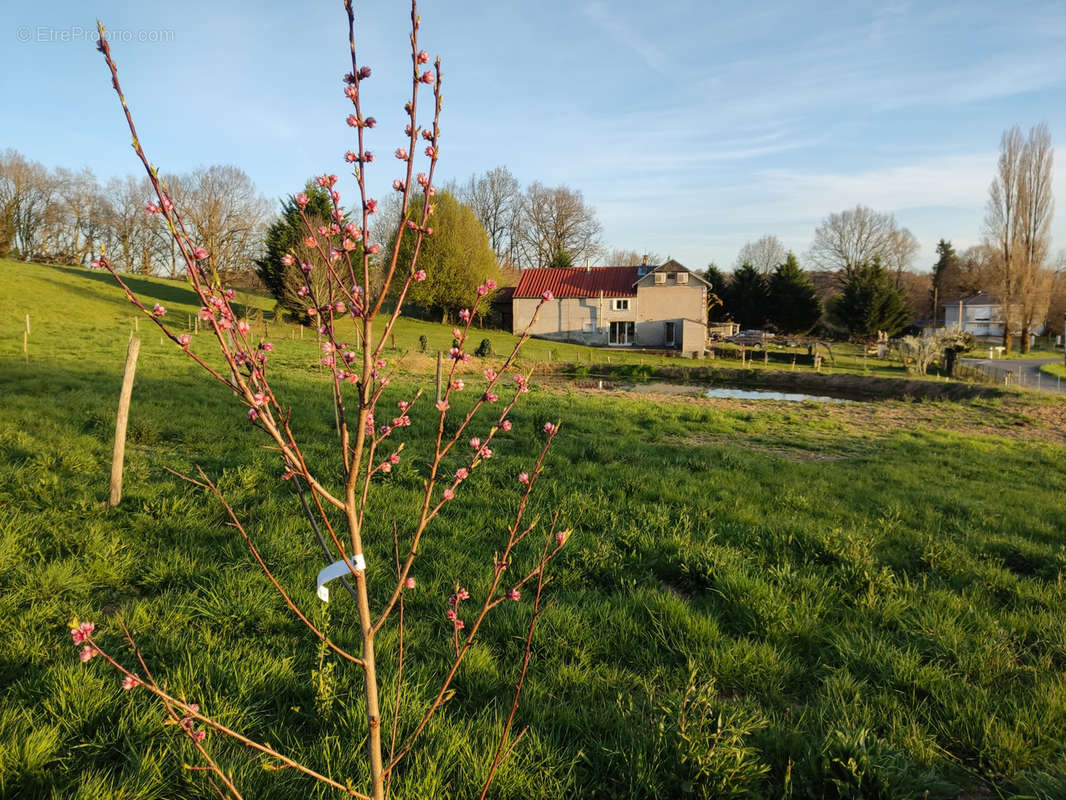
(695, 390)
(750, 394)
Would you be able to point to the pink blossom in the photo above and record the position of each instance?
(409, 583)
(490, 374)
(86, 653)
(151, 208)
(129, 682)
(328, 361)
(371, 206)
(464, 314)
(364, 73)
(450, 614)
(427, 76)
(230, 293)
(301, 200)
(368, 156)
(306, 267)
(462, 474)
(323, 230)
(394, 458)
(448, 494)
(339, 307)
(401, 154)
(407, 129)
(184, 339)
(515, 595)
(351, 157)
(82, 632)
(561, 536)
(351, 92)
(259, 398)
(423, 57)
(348, 245)
(458, 384)
(199, 254)
(243, 326)
(206, 314)
(266, 346)
(431, 151)
(523, 477)
(311, 241)
(490, 397)
(485, 452)
(506, 425)
(462, 594)
(546, 295)
(420, 275)
(428, 135)
(456, 333)
(482, 290)
(442, 405)
(459, 624)
(253, 415)
(199, 735)
(351, 229)
(349, 356)
(374, 248)
(455, 353)
(386, 467)
(158, 310)
(370, 122)
(302, 291)
(287, 260)
(490, 284)
(422, 179)
(467, 358)
(549, 428)
(353, 120)
(398, 185)
(475, 443)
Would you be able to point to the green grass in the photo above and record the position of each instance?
(861, 601)
(1058, 370)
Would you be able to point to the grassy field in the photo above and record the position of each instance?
(859, 600)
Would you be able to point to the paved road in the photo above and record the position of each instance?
(1024, 371)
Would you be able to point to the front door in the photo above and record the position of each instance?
(670, 334)
(621, 333)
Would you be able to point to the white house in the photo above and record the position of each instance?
(981, 314)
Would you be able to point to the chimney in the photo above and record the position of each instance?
(588, 266)
(645, 261)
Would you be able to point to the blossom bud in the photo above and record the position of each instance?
(431, 151)
(423, 57)
(184, 339)
(523, 477)
(401, 154)
(199, 254)
(409, 583)
(301, 200)
(427, 76)
(420, 275)
(505, 425)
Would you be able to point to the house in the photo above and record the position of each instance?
(660, 308)
(981, 314)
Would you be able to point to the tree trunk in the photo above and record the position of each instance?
(1025, 338)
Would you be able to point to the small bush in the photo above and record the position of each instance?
(484, 350)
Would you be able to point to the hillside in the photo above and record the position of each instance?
(760, 599)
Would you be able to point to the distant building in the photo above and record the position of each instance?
(981, 315)
(658, 308)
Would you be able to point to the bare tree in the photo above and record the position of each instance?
(1037, 206)
(556, 221)
(901, 248)
(765, 254)
(1017, 224)
(26, 189)
(630, 258)
(496, 200)
(226, 213)
(847, 240)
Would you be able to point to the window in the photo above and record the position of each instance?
(621, 333)
(669, 334)
(682, 277)
(660, 277)
(620, 305)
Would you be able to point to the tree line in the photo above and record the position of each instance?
(64, 216)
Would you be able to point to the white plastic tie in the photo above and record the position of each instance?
(337, 570)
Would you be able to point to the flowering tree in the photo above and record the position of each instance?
(370, 441)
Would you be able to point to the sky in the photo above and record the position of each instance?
(692, 126)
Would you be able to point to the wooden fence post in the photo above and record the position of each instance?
(121, 421)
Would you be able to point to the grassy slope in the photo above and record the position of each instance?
(860, 601)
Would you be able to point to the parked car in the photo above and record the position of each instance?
(751, 338)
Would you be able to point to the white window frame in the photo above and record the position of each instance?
(682, 278)
(660, 278)
(620, 304)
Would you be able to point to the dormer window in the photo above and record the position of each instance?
(682, 277)
(660, 278)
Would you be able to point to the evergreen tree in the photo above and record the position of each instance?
(945, 271)
(716, 295)
(870, 302)
(746, 297)
(286, 235)
(562, 259)
(456, 257)
(792, 301)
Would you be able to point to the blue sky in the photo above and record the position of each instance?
(692, 127)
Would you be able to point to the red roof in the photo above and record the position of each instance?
(578, 282)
